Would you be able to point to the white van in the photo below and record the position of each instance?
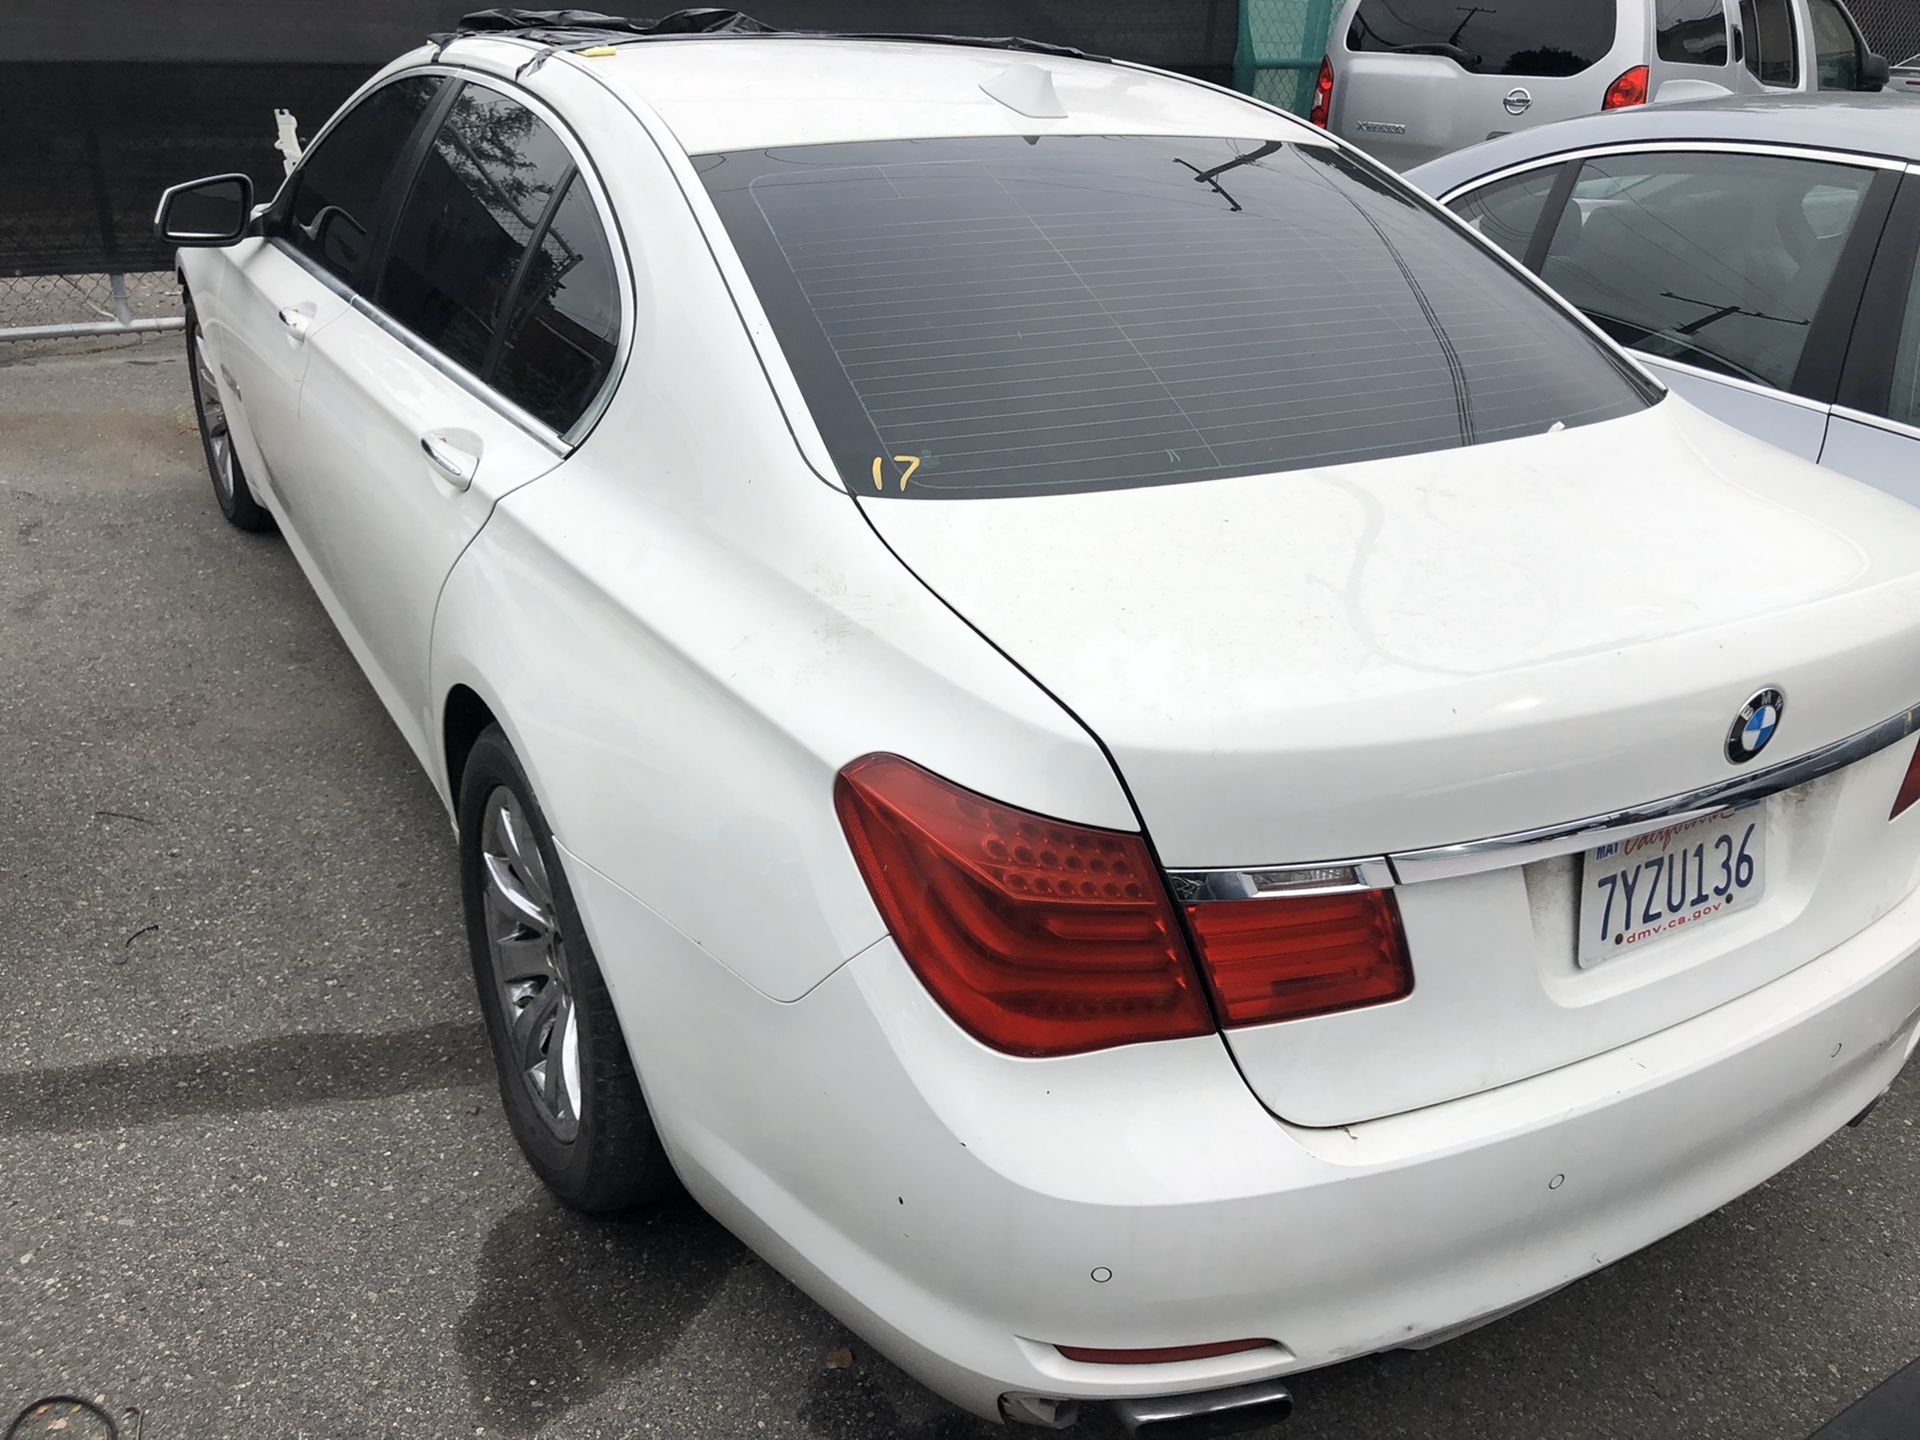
(1407, 80)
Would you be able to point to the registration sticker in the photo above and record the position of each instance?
(1679, 877)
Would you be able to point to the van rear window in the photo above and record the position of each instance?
(1017, 316)
(1515, 37)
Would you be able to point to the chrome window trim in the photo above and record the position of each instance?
(536, 428)
(1736, 382)
(1678, 147)
(1522, 847)
(561, 444)
(1878, 422)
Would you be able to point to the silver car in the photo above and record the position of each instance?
(1407, 80)
(1759, 256)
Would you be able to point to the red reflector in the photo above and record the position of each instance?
(1293, 956)
(1322, 95)
(1629, 90)
(1165, 1356)
(1039, 937)
(1909, 786)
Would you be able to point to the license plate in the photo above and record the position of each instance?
(1679, 877)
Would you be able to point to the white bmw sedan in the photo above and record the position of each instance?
(1131, 753)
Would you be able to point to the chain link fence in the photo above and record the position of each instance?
(1281, 45)
(47, 306)
(1892, 26)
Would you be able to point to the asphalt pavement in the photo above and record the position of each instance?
(254, 1179)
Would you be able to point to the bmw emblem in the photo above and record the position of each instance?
(1753, 727)
(1517, 100)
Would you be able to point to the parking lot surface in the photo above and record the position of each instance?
(256, 1179)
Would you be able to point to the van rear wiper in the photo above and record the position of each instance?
(1466, 58)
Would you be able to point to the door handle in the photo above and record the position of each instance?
(456, 465)
(298, 319)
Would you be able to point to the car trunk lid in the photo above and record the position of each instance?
(1411, 654)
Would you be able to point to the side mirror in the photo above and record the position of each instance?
(214, 211)
(1875, 72)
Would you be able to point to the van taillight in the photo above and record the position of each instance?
(1291, 956)
(1036, 936)
(1322, 95)
(1909, 787)
(1629, 90)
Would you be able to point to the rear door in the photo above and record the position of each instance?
(285, 288)
(1417, 78)
(1875, 431)
(479, 355)
(1733, 272)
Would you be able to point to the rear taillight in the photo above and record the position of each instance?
(1291, 956)
(1629, 90)
(1322, 95)
(1038, 937)
(1909, 787)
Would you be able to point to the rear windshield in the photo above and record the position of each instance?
(1017, 316)
(1513, 37)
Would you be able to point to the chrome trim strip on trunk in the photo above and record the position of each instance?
(1442, 862)
(1522, 847)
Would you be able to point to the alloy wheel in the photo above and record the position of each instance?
(213, 418)
(528, 950)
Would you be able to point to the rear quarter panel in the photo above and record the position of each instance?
(686, 633)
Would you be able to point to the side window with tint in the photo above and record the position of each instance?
(1719, 261)
(1508, 211)
(330, 214)
(559, 342)
(1904, 404)
(483, 189)
(1836, 49)
(1692, 32)
(1772, 45)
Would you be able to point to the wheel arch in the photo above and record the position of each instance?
(464, 717)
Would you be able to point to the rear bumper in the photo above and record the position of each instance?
(965, 1212)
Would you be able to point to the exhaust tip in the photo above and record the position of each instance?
(1204, 1414)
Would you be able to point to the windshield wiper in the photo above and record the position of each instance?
(1466, 58)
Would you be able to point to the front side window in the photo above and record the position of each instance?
(1720, 261)
(329, 214)
(1017, 316)
(1772, 43)
(1836, 49)
(1692, 32)
(1537, 37)
(481, 192)
(1508, 211)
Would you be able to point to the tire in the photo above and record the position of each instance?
(569, 1089)
(216, 438)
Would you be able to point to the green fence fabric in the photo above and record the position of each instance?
(1281, 45)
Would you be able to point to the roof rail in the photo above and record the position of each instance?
(565, 29)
